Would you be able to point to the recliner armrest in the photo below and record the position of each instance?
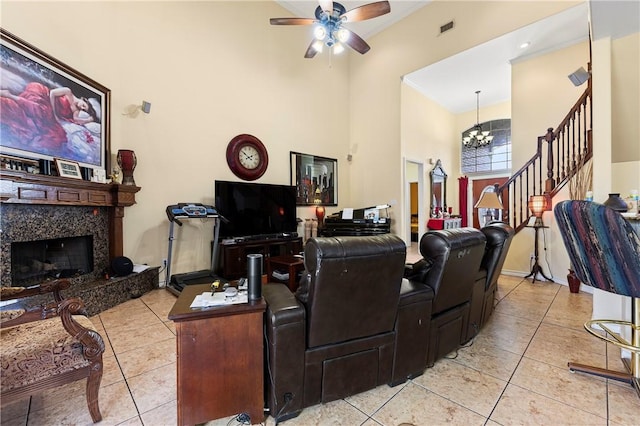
(282, 305)
(285, 334)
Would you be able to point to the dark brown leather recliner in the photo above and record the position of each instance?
(450, 261)
(499, 236)
(337, 335)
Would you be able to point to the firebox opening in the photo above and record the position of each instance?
(35, 261)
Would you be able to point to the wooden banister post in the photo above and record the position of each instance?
(550, 182)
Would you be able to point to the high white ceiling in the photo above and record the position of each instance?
(453, 82)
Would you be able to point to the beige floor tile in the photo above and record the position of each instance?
(160, 295)
(507, 332)
(418, 406)
(15, 412)
(135, 421)
(111, 372)
(171, 326)
(369, 402)
(371, 422)
(519, 406)
(335, 413)
(570, 309)
(624, 405)
(558, 345)
(116, 406)
(147, 358)
(506, 284)
(123, 340)
(524, 306)
(470, 388)
(128, 319)
(489, 359)
(581, 392)
(165, 414)
(541, 289)
(154, 388)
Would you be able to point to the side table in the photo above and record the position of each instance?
(219, 359)
(291, 264)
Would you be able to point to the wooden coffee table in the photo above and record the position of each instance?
(291, 264)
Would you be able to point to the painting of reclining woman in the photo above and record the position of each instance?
(45, 114)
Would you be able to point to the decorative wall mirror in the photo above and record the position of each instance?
(438, 190)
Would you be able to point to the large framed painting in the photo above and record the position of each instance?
(315, 179)
(50, 110)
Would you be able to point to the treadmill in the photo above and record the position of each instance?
(185, 211)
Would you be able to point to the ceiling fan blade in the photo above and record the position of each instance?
(326, 5)
(356, 42)
(311, 51)
(291, 21)
(368, 11)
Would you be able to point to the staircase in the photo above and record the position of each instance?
(560, 153)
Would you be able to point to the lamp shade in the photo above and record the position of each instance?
(537, 205)
(488, 200)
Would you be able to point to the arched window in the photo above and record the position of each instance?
(495, 157)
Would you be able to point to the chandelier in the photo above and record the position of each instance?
(477, 137)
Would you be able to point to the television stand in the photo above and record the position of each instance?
(233, 256)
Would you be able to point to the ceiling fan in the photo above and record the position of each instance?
(329, 30)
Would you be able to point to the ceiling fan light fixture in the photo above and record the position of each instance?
(317, 45)
(319, 32)
(343, 35)
(327, 25)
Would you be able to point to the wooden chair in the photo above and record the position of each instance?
(45, 347)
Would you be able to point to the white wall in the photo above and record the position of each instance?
(541, 96)
(375, 80)
(212, 70)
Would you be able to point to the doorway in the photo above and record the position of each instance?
(478, 187)
(414, 212)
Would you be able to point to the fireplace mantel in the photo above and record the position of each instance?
(25, 188)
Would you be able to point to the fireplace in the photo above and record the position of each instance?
(53, 227)
(41, 241)
(35, 261)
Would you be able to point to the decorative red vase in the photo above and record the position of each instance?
(573, 281)
(127, 162)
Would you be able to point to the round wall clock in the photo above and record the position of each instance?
(247, 157)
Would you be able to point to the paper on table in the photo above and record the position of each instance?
(347, 213)
(206, 300)
(140, 268)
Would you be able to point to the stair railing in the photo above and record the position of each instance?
(560, 152)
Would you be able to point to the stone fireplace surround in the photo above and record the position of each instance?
(36, 207)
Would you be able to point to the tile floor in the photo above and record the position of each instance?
(513, 373)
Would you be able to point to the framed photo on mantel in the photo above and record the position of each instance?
(315, 179)
(49, 110)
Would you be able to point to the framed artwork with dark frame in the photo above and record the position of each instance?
(49, 110)
(315, 179)
(68, 168)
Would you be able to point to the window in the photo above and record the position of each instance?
(495, 157)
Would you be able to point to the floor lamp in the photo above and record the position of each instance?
(488, 200)
(537, 205)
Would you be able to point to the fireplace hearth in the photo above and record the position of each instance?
(75, 227)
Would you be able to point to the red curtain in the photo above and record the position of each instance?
(463, 184)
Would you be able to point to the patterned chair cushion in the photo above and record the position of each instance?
(10, 314)
(38, 350)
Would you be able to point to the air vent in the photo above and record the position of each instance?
(446, 27)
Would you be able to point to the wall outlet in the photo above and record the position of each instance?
(164, 263)
(532, 256)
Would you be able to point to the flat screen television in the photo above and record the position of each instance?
(255, 209)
